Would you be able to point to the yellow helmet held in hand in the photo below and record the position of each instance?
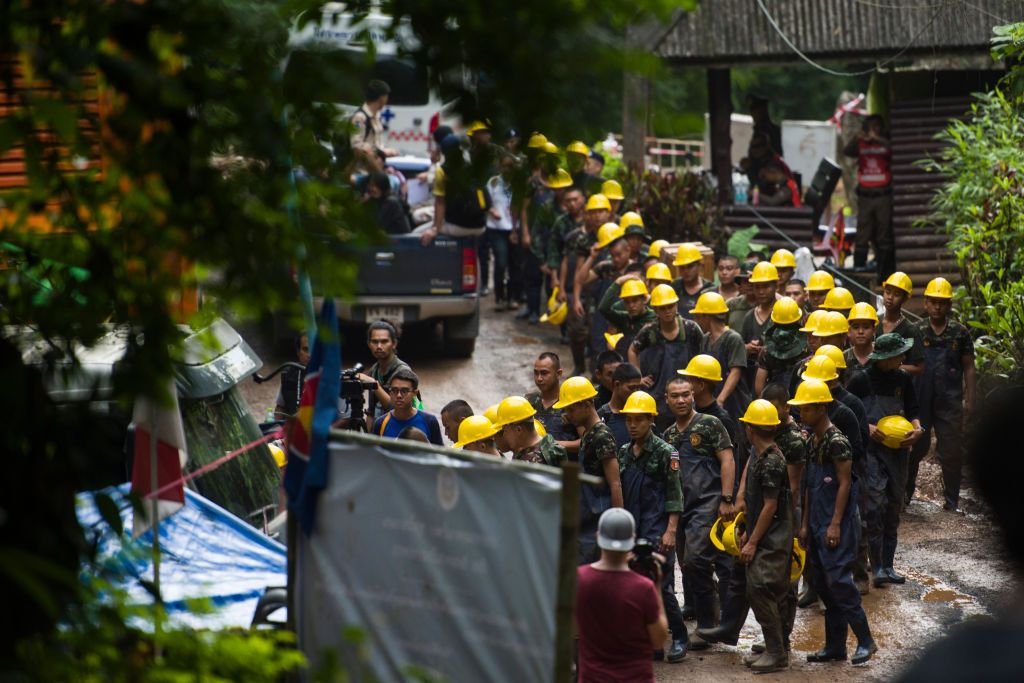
(280, 459)
(550, 148)
(687, 254)
(474, 428)
(537, 141)
(612, 190)
(664, 295)
(574, 390)
(553, 299)
(577, 147)
(862, 310)
(557, 316)
(703, 366)
(559, 179)
(822, 368)
(612, 340)
(656, 247)
(710, 303)
(513, 409)
(798, 560)
(820, 281)
(726, 535)
(813, 320)
(597, 202)
(834, 353)
(632, 288)
(895, 429)
(783, 258)
(811, 391)
(764, 272)
(939, 288)
(608, 233)
(786, 312)
(762, 413)
(832, 323)
(900, 280)
(630, 217)
(838, 299)
(640, 403)
(659, 272)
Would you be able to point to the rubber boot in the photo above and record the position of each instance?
(866, 646)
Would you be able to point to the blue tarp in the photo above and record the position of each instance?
(206, 552)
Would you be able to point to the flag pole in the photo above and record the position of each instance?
(155, 518)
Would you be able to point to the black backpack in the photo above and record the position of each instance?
(466, 200)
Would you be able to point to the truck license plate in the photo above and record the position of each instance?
(393, 314)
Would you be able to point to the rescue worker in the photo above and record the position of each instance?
(796, 289)
(891, 392)
(547, 374)
(838, 299)
(690, 284)
(613, 191)
(764, 281)
(606, 363)
(728, 269)
(741, 303)
(783, 345)
(657, 274)
(811, 326)
(818, 287)
(649, 470)
(500, 443)
(624, 306)
(518, 428)
(707, 475)
(608, 260)
(660, 348)
(576, 155)
(896, 291)
(596, 213)
(785, 264)
(726, 345)
(626, 380)
(569, 220)
(945, 391)
(830, 330)
(476, 434)
(874, 196)
(632, 225)
(452, 415)
(829, 529)
(863, 321)
(768, 542)
(597, 457)
(655, 250)
(538, 220)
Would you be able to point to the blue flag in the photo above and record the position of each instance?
(306, 473)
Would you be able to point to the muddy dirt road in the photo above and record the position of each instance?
(954, 566)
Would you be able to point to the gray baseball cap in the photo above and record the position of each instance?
(616, 530)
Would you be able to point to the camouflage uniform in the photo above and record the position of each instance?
(552, 418)
(596, 447)
(614, 311)
(700, 473)
(578, 244)
(662, 359)
(556, 247)
(852, 364)
(544, 452)
(730, 353)
(687, 300)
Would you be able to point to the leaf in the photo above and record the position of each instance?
(109, 511)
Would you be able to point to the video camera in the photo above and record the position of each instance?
(352, 390)
(644, 561)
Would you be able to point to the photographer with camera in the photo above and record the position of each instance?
(619, 612)
(402, 391)
(382, 338)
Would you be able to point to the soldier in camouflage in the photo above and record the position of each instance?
(626, 314)
(529, 446)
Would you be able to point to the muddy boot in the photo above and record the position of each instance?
(865, 642)
(769, 662)
(758, 647)
(697, 643)
(748, 660)
(719, 634)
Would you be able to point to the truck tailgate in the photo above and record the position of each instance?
(405, 267)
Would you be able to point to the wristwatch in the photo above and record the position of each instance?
(729, 499)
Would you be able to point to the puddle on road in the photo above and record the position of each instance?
(937, 591)
(519, 339)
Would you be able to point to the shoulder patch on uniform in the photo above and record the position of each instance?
(673, 461)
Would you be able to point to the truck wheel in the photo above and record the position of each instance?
(460, 334)
(460, 348)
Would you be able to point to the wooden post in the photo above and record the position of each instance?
(720, 118)
(635, 99)
(292, 532)
(565, 601)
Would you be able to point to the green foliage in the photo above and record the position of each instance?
(741, 242)
(676, 207)
(1008, 46)
(796, 91)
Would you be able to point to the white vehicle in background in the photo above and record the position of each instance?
(338, 44)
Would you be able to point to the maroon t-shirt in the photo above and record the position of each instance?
(613, 610)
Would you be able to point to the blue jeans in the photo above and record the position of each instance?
(497, 241)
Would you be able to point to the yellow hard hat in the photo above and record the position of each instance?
(538, 427)
(640, 403)
(798, 560)
(476, 127)
(659, 271)
(710, 303)
(577, 147)
(820, 367)
(278, 453)
(597, 202)
(820, 281)
(811, 391)
(474, 428)
(612, 190)
(762, 413)
(492, 413)
(833, 322)
(553, 299)
(664, 295)
(613, 339)
(900, 280)
(656, 247)
(862, 310)
(557, 316)
(726, 535)
(838, 299)
(939, 288)
(559, 179)
(813, 320)
(630, 217)
(513, 409)
(833, 352)
(550, 148)
(703, 366)
(764, 272)
(895, 429)
(632, 288)
(786, 312)
(687, 254)
(608, 233)
(574, 390)
(783, 258)
(537, 141)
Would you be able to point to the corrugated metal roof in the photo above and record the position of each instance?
(723, 32)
